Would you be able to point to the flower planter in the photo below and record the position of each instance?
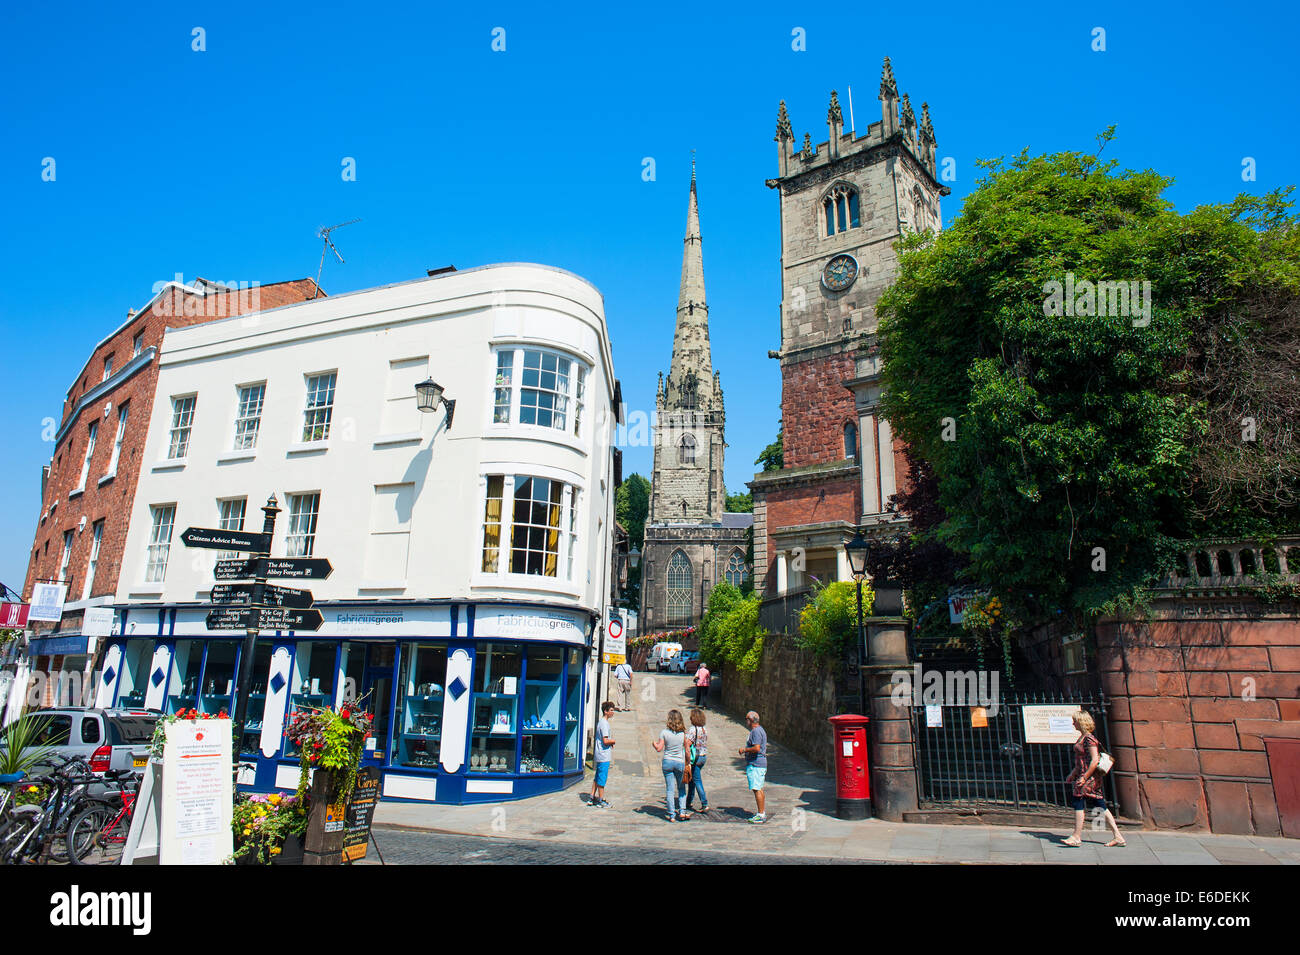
(291, 854)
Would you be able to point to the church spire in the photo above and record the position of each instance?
(690, 378)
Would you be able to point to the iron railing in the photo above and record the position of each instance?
(960, 765)
(780, 614)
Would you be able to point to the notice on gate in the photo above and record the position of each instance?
(197, 797)
(1050, 724)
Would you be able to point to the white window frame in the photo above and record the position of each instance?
(505, 401)
(67, 556)
(137, 344)
(123, 410)
(92, 565)
(226, 521)
(318, 416)
(92, 435)
(300, 539)
(568, 555)
(245, 419)
(162, 520)
(182, 429)
(108, 368)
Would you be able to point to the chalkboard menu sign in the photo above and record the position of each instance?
(360, 814)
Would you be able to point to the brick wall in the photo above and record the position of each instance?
(815, 406)
(811, 503)
(793, 693)
(1192, 701)
(111, 500)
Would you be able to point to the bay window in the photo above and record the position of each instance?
(530, 526)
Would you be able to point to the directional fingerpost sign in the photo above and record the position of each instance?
(316, 568)
(272, 596)
(236, 569)
(266, 618)
(226, 540)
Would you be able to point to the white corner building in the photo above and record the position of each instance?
(470, 546)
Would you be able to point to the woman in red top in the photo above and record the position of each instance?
(1087, 780)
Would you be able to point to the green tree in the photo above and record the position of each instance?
(631, 506)
(772, 457)
(1065, 443)
(741, 503)
(730, 632)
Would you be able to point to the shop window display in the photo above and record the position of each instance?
(496, 708)
(187, 668)
(543, 710)
(252, 739)
(219, 677)
(134, 679)
(572, 709)
(313, 680)
(422, 683)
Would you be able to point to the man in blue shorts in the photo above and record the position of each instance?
(604, 755)
(755, 753)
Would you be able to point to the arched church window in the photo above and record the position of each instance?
(680, 588)
(686, 450)
(737, 571)
(690, 393)
(841, 210)
(850, 441)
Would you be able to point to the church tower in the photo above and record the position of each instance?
(687, 484)
(691, 542)
(844, 203)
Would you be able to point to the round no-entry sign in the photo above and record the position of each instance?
(616, 628)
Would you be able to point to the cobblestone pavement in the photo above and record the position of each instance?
(801, 813)
(406, 847)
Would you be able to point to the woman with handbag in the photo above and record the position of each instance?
(672, 743)
(697, 753)
(1087, 777)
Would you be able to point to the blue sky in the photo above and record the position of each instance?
(223, 163)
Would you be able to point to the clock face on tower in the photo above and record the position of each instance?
(840, 272)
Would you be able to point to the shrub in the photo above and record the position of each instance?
(830, 620)
(729, 632)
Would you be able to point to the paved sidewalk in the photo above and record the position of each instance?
(800, 808)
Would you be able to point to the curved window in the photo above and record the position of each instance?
(539, 388)
(686, 450)
(850, 441)
(678, 606)
(840, 208)
(737, 571)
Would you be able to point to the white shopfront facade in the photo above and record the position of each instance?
(470, 563)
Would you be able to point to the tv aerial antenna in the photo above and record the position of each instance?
(324, 233)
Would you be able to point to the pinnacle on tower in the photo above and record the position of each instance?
(888, 102)
(835, 125)
(927, 138)
(809, 154)
(908, 119)
(887, 85)
(783, 131)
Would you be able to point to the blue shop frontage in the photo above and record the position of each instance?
(473, 702)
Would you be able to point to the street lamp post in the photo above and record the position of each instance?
(857, 550)
(429, 394)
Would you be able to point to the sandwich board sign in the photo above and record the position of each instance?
(186, 801)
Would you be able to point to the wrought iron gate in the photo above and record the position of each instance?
(960, 765)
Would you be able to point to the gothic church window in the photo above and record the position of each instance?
(680, 582)
(841, 210)
(737, 572)
(686, 450)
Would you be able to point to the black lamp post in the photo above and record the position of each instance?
(857, 550)
(429, 394)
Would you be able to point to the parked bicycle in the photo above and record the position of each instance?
(97, 836)
(37, 832)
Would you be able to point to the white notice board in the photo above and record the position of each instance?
(1050, 724)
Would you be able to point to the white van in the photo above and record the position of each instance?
(660, 654)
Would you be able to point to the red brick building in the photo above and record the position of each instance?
(88, 486)
(843, 203)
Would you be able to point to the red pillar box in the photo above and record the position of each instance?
(852, 772)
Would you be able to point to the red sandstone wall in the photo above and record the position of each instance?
(1192, 701)
(815, 406)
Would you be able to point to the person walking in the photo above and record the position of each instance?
(604, 756)
(697, 742)
(672, 743)
(1087, 781)
(755, 753)
(623, 676)
(702, 678)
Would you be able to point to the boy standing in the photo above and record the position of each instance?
(604, 755)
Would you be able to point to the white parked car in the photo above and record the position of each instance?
(661, 656)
